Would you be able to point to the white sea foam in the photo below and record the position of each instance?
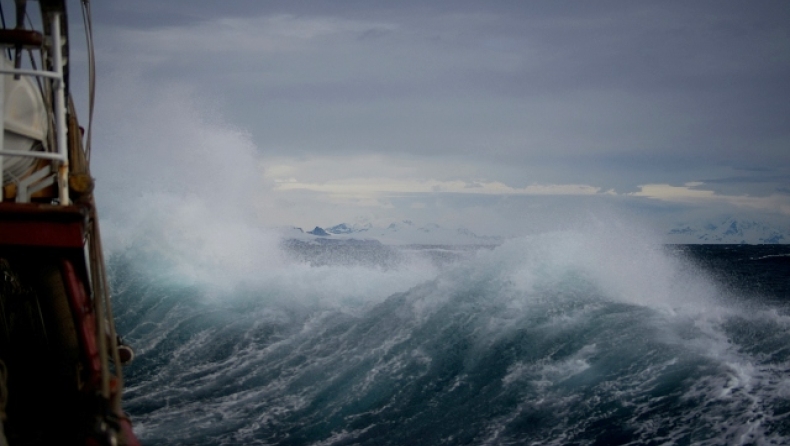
(180, 211)
(182, 192)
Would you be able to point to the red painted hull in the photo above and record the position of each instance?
(57, 235)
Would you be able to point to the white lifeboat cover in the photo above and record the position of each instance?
(24, 120)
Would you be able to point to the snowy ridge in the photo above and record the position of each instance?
(726, 230)
(403, 232)
(729, 230)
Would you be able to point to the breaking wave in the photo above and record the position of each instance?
(553, 339)
(579, 337)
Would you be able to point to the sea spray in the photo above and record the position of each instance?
(545, 339)
(592, 335)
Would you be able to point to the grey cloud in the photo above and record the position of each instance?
(610, 94)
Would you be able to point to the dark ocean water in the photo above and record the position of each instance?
(555, 339)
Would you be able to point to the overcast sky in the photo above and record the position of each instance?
(481, 114)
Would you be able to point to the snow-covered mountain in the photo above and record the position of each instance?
(729, 230)
(726, 230)
(345, 228)
(404, 232)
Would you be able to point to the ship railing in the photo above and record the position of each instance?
(38, 180)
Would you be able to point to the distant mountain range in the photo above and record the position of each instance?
(730, 230)
(404, 232)
(727, 230)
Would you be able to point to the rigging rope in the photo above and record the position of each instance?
(87, 20)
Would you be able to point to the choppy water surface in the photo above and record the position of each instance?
(553, 339)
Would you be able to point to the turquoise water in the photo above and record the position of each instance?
(555, 339)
